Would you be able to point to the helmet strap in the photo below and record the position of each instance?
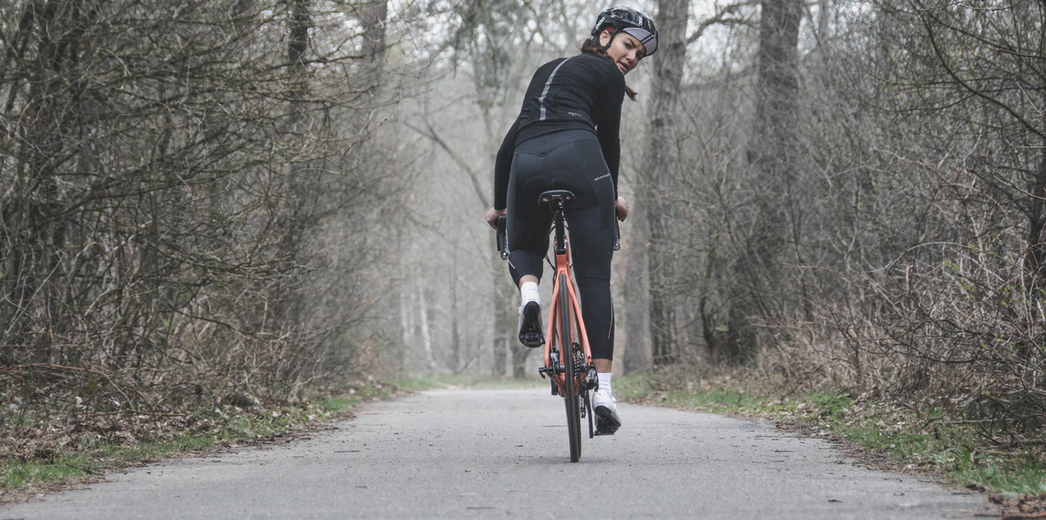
(613, 33)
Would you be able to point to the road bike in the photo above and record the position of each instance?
(568, 359)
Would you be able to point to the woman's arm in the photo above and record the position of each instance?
(503, 165)
(608, 124)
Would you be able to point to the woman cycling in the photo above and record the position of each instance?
(566, 137)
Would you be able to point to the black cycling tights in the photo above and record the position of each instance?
(568, 160)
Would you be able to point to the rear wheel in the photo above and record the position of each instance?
(571, 398)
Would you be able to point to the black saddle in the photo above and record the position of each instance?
(556, 196)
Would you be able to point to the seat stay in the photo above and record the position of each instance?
(551, 335)
(579, 323)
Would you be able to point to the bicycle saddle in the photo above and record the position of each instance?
(551, 196)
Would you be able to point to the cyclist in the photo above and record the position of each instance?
(566, 137)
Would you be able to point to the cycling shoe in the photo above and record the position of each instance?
(530, 333)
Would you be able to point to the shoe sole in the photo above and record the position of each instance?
(530, 333)
(607, 424)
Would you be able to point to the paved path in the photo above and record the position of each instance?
(503, 454)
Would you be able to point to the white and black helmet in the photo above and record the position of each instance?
(632, 21)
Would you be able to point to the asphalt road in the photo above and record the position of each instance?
(503, 454)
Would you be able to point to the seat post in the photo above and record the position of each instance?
(557, 201)
(561, 235)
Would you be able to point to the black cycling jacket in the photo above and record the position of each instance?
(581, 92)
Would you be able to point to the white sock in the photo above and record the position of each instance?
(604, 381)
(529, 293)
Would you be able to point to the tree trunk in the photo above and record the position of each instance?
(373, 15)
(426, 334)
(455, 333)
(636, 354)
(661, 163)
(1036, 256)
(28, 221)
(406, 326)
(286, 305)
(502, 301)
(758, 284)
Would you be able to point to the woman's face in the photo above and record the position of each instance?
(626, 51)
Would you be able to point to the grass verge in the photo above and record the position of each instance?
(902, 436)
(44, 450)
(41, 450)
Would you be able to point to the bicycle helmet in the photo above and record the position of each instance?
(632, 21)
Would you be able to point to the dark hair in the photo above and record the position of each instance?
(591, 46)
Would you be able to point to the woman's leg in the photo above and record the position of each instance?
(528, 240)
(527, 226)
(592, 233)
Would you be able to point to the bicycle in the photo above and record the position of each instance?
(568, 359)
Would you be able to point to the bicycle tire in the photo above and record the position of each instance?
(570, 393)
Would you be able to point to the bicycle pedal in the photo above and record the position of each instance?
(555, 389)
(532, 339)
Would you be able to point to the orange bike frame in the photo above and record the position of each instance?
(577, 328)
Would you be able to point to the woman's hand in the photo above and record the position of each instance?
(493, 214)
(621, 208)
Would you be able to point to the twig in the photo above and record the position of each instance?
(1016, 516)
(80, 468)
(1011, 445)
(52, 366)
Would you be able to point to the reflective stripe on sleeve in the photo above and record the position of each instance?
(548, 84)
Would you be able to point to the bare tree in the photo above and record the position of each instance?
(165, 171)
